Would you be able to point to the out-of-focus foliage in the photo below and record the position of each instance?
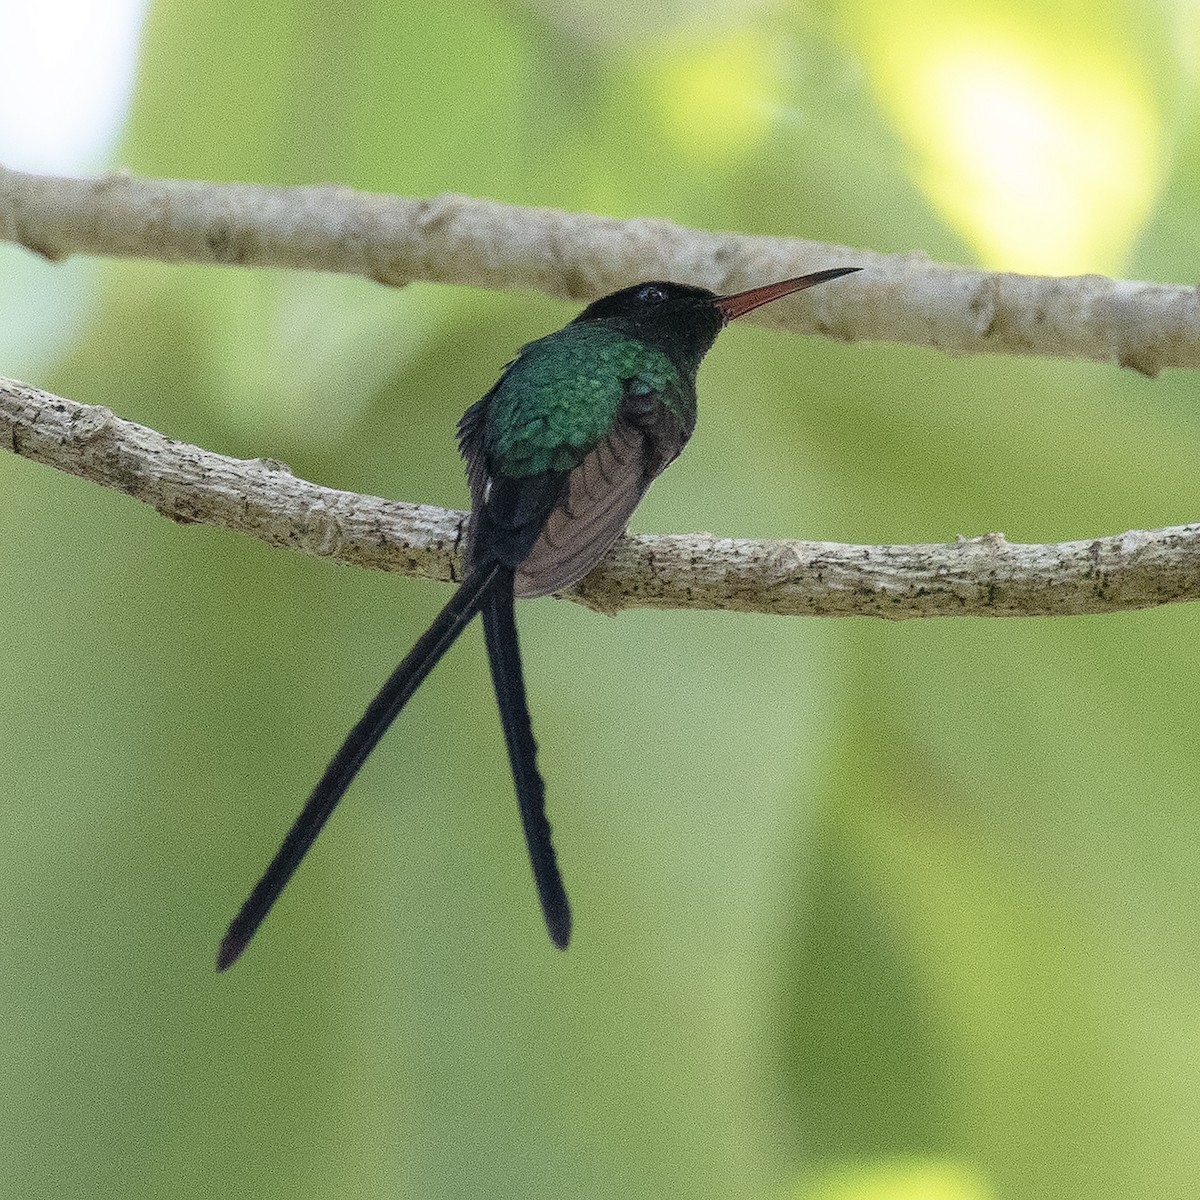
(864, 911)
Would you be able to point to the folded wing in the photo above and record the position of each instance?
(599, 498)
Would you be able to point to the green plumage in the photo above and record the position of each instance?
(561, 396)
(559, 452)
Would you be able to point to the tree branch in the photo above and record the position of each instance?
(984, 576)
(457, 239)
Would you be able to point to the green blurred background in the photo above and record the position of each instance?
(865, 911)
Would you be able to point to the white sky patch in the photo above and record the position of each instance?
(68, 75)
(68, 71)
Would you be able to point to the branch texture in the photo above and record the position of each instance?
(984, 576)
(457, 239)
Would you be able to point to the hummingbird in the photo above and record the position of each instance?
(559, 453)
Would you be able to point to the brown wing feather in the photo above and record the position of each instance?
(601, 494)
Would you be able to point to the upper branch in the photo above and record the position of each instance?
(457, 239)
(984, 576)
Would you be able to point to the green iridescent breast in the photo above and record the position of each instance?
(562, 394)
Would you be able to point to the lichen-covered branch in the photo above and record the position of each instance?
(984, 576)
(457, 239)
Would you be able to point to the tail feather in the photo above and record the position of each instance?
(504, 656)
(362, 739)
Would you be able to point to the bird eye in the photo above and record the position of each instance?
(651, 294)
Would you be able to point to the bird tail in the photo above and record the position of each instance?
(504, 657)
(362, 739)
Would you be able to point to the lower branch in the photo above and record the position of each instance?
(985, 576)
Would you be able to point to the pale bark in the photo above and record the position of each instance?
(984, 576)
(459, 239)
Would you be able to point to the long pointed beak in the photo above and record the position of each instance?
(742, 302)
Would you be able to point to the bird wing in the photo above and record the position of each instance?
(600, 495)
(563, 447)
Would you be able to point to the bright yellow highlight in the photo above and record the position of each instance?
(1046, 157)
(717, 99)
(902, 1181)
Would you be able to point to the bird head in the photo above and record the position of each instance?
(684, 320)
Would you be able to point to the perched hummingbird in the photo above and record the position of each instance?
(559, 453)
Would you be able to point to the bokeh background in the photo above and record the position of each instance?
(865, 911)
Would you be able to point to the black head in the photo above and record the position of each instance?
(683, 320)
